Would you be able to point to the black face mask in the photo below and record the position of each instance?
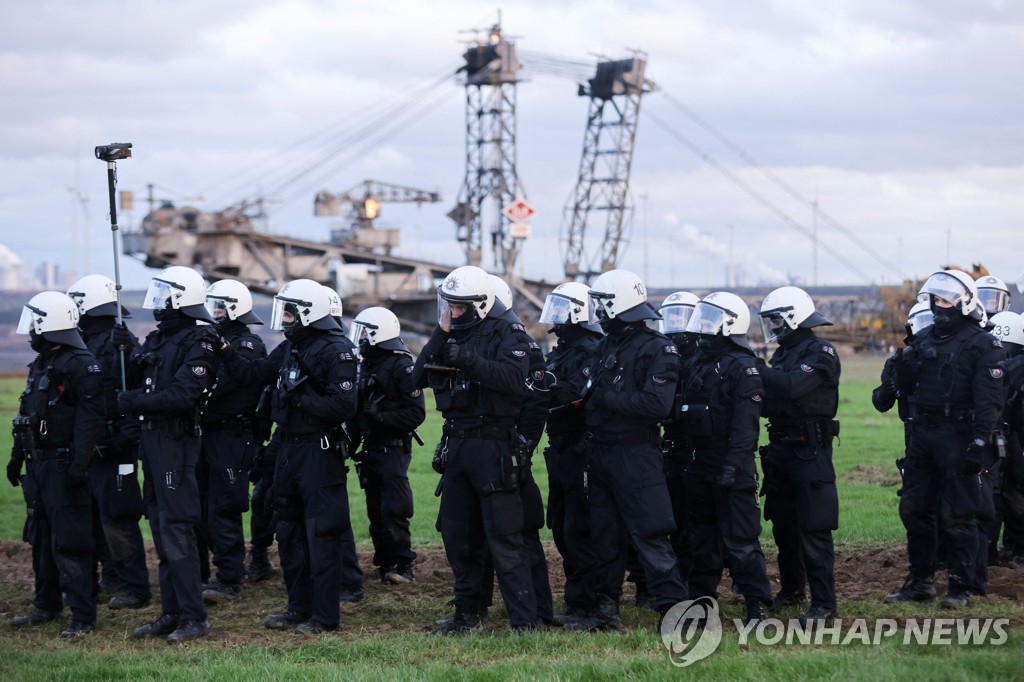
(297, 333)
(946, 319)
(613, 326)
(683, 340)
(38, 343)
(710, 345)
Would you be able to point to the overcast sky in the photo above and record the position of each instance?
(902, 119)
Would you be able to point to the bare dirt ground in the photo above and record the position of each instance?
(863, 574)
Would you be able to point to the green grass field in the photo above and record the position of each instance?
(384, 638)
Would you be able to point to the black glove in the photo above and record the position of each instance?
(454, 355)
(371, 411)
(121, 338)
(126, 400)
(726, 477)
(439, 460)
(14, 471)
(209, 334)
(973, 457)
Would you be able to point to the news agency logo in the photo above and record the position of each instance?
(691, 631)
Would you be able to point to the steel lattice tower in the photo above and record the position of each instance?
(491, 180)
(603, 184)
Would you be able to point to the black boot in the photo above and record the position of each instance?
(35, 617)
(757, 611)
(189, 630)
(462, 623)
(604, 617)
(573, 614)
(161, 627)
(914, 589)
(260, 566)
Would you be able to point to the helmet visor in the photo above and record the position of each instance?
(219, 308)
(159, 295)
(454, 314)
(674, 318)
(994, 300)
(920, 321)
(1020, 283)
(708, 319)
(30, 317)
(948, 288)
(285, 314)
(558, 310)
(362, 331)
(774, 327)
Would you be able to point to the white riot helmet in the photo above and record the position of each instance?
(919, 318)
(53, 316)
(378, 327)
(96, 296)
(786, 309)
(721, 313)
(502, 295)
(178, 288)
(621, 295)
(302, 302)
(336, 307)
(993, 294)
(568, 303)
(676, 311)
(1008, 327)
(229, 299)
(955, 287)
(464, 298)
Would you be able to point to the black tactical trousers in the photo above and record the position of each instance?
(629, 503)
(311, 503)
(384, 475)
(533, 521)
(674, 464)
(262, 521)
(722, 528)
(569, 521)
(223, 474)
(802, 503)
(482, 512)
(118, 498)
(73, 537)
(38, 533)
(935, 487)
(171, 493)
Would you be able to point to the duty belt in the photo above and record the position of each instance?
(498, 431)
(238, 423)
(933, 417)
(645, 436)
(387, 443)
(163, 424)
(304, 437)
(43, 454)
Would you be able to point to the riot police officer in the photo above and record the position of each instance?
(533, 415)
(476, 366)
(351, 573)
(60, 422)
(955, 386)
(314, 373)
(567, 310)
(676, 311)
(801, 398)
(722, 398)
(112, 476)
(633, 383)
(229, 443)
(173, 373)
(993, 295)
(1011, 497)
(392, 408)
